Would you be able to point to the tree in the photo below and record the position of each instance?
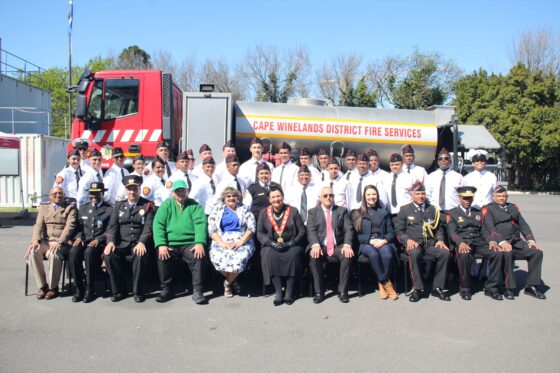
(538, 50)
(418, 81)
(275, 77)
(343, 82)
(522, 110)
(226, 78)
(134, 58)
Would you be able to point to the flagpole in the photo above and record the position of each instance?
(70, 19)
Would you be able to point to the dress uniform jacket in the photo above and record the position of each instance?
(257, 196)
(93, 222)
(55, 223)
(507, 224)
(128, 226)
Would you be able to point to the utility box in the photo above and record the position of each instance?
(207, 120)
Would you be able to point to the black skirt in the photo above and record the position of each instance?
(287, 263)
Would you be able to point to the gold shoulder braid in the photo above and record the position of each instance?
(430, 226)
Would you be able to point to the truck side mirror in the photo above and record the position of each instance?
(81, 107)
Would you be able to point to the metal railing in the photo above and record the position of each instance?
(26, 110)
(19, 68)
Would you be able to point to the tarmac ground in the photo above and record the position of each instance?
(250, 334)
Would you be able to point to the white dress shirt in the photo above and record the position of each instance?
(248, 170)
(154, 190)
(203, 193)
(402, 187)
(341, 188)
(368, 179)
(113, 181)
(453, 180)
(485, 182)
(294, 194)
(287, 172)
(227, 181)
(66, 179)
(418, 172)
(90, 176)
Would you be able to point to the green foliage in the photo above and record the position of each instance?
(134, 58)
(522, 110)
(359, 96)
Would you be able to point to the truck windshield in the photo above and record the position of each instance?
(121, 98)
(94, 108)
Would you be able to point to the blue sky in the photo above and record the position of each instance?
(472, 33)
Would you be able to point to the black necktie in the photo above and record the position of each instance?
(442, 193)
(122, 173)
(348, 175)
(188, 180)
(408, 168)
(238, 185)
(332, 183)
(394, 191)
(267, 187)
(303, 208)
(77, 172)
(359, 190)
(98, 177)
(168, 169)
(322, 176)
(213, 186)
(162, 182)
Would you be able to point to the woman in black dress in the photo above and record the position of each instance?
(281, 233)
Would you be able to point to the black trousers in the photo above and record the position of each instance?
(464, 262)
(116, 262)
(92, 258)
(534, 257)
(167, 268)
(442, 259)
(316, 266)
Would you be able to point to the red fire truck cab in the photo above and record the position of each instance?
(130, 109)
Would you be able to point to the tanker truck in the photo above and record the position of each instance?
(134, 110)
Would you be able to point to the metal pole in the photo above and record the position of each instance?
(70, 74)
(455, 141)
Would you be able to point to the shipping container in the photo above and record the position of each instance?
(41, 158)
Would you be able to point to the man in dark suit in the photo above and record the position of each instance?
(506, 225)
(129, 237)
(418, 228)
(93, 219)
(329, 233)
(468, 234)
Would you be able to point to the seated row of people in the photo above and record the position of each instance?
(132, 229)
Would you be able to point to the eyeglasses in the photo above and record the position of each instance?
(57, 194)
(443, 159)
(328, 196)
(191, 159)
(118, 156)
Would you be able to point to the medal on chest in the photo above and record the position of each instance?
(278, 230)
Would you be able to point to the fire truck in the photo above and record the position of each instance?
(136, 109)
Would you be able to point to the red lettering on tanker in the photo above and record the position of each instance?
(346, 129)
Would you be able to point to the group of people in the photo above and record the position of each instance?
(291, 215)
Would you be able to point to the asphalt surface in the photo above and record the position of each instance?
(250, 334)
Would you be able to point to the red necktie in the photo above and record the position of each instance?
(330, 233)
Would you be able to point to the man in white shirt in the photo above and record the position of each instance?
(163, 151)
(398, 185)
(114, 176)
(181, 173)
(374, 165)
(305, 160)
(360, 179)
(69, 177)
(204, 188)
(337, 182)
(221, 169)
(94, 173)
(350, 161)
(285, 173)
(323, 160)
(418, 172)
(230, 179)
(248, 170)
(304, 194)
(483, 180)
(203, 152)
(442, 184)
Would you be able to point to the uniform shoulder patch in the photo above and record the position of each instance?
(59, 179)
(146, 171)
(146, 191)
(169, 184)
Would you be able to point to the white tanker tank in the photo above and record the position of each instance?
(314, 125)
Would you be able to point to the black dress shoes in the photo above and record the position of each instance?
(493, 294)
(441, 294)
(78, 296)
(117, 297)
(508, 294)
(343, 297)
(534, 292)
(199, 298)
(139, 298)
(278, 299)
(288, 301)
(415, 296)
(318, 298)
(466, 294)
(89, 297)
(164, 296)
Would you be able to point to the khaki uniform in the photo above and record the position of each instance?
(53, 224)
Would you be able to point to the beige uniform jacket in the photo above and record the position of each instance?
(55, 224)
